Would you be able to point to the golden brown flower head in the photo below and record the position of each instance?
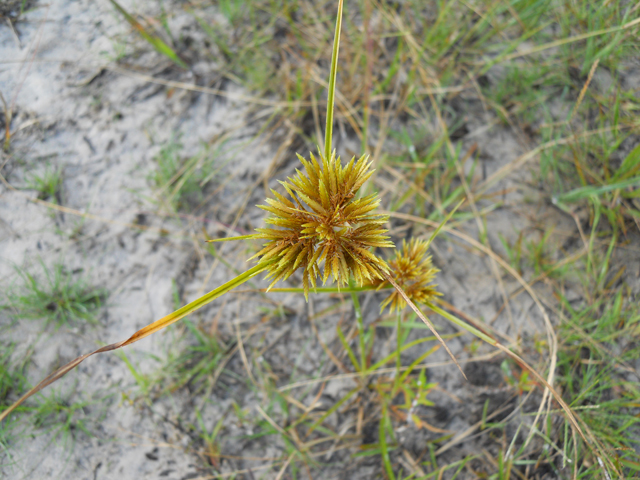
(413, 271)
(324, 222)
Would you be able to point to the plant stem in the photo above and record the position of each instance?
(398, 342)
(332, 84)
(349, 289)
(398, 347)
(356, 306)
(196, 304)
(368, 56)
(461, 323)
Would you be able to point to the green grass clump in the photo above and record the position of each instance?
(48, 184)
(609, 187)
(195, 366)
(63, 417)
(13, 383)
(13, 10)
(596, 370)
(180, 182)
(55, 295)
(151, 37)
(11, 375)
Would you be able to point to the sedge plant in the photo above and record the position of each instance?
(324, 229)
(324, 223)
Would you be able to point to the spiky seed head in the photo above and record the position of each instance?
(324, 223)
(412, 270)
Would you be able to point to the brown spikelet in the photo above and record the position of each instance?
(324, 223)
(413, 270)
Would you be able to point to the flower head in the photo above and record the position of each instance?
(413, 270)
(324, 222)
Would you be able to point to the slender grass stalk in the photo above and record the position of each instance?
(386, 460)
(153, 40)
(398, 348)
(349, 289)
(196, 304)
(332, 84)
(227, 239)
(360, 322)
(461, 323)
(348, 349)
(368, 56)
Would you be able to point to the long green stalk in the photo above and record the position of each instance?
(196, 304)
(153, 40)
(349, 289)
(331, 94)
(461, 323)
(398, 348)
(360, 322)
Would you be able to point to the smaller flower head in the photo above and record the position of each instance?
(324, 222)
(413, 270)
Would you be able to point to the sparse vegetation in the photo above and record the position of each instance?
(65, 418)
(180, 182)
(58, 296)
(48, 184)
(14, 9)
(12, 383)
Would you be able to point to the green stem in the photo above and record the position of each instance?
(398, 342)
(368, 56)
(398, 348)
(356, 306)
(332, 84)
(226, 239)
(461, 323)
(196, 304)
(349, 289)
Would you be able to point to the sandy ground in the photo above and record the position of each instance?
(73, 108)
(103, 129)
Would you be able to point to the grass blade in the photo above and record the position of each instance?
(383, 443)
(154, 41)
(226, 239)
(443, 223)
(332, 84)
(424, 319)
(586, 192)
(348, 349)
(333, 408)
